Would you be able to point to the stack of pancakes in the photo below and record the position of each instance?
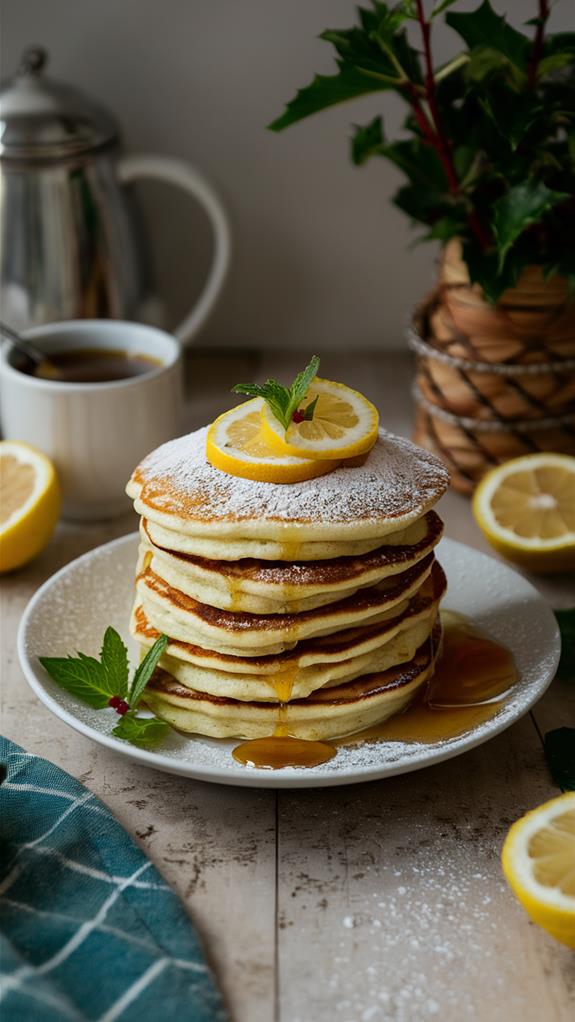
(308, 609)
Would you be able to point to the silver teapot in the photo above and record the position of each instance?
(71, 240)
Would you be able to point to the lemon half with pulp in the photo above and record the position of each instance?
(29, 503)
(526, 510)
(539, 864)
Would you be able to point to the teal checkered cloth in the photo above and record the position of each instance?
(88, 928)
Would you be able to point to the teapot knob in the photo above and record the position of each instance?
(33, 60)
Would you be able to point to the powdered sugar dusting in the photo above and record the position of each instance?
(397, 481)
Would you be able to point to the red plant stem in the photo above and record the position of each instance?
(439, 137)
(442, 142)
(538, 42)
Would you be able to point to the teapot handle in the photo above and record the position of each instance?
(184, 176)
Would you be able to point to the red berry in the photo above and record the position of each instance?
(298, 416)
(114, 701)
(122, 707)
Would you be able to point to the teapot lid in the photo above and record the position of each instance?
(42, 119)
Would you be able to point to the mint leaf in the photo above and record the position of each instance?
(271, 391)
(520, 207)
(145, 671)
(301, 385)
(81, 676)
(566, 622)
(142, 731)
(114, 660)
(283, 401)
(309, 411)
(559, 746)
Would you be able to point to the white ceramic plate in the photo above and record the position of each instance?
(73, 608)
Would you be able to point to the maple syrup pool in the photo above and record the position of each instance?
(467, 688)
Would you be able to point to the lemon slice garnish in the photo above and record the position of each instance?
(236, 444)
(344, 425)
(29, 503)
(526, 509)
(539, 864)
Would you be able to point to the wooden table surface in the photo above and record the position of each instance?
(369, 903)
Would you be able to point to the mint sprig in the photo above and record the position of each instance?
(105, 683)
(142, 731)
(146, 669)
(114, 660)
(284, 401)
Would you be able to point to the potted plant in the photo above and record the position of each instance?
(488, 151)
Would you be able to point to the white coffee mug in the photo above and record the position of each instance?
(95, 433)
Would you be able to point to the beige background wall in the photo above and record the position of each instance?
(321, 257)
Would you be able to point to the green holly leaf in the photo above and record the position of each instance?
(485, 63)
(82, 676)
(360, 49)
(521, 206)
(566, 622)
(483, 27)
(559, 42)
(513, 115)
(329, 90)
(446, 228)
(419, 162)
(559, 747)
(142, 731)
(114, 660)
(483, 267)
(366, 141)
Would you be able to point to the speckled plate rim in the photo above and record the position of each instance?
(511, 610)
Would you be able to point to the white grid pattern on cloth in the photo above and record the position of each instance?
(15, 981)
(146, 945)
(133, 992)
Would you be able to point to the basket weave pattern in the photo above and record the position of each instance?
(493, 382)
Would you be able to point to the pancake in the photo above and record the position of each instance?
(312, 664)
(286, 549)
(175, 487)
(297, 684)
(242, 634)
(327, 649)
(278, 587)
(327, 713)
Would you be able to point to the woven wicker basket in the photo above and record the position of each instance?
(497, 381)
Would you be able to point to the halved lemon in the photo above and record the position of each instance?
(236, 444)
(344, 425)
(29, 503)
(526, 509)
(538, 860)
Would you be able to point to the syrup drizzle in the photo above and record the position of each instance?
(471, 678)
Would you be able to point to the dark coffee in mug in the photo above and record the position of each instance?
(92, 365)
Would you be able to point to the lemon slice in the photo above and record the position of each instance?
(29, 503)
(526, 509)
(236, 445)
(539, 864)
(344, 425)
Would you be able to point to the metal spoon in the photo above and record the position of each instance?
(49, 370)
